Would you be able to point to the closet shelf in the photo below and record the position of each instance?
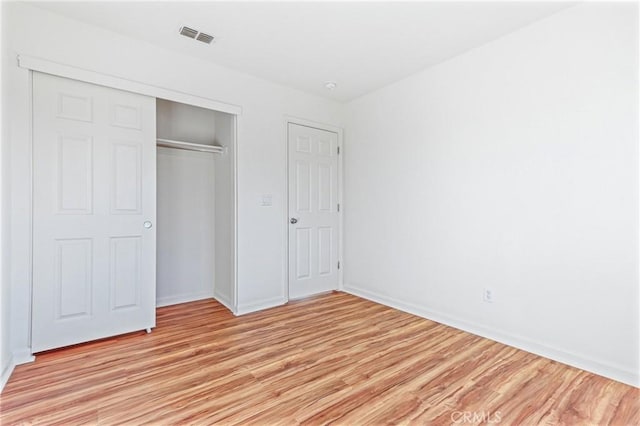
(168, 143)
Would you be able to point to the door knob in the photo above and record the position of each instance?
(147, 224)
(293, 220)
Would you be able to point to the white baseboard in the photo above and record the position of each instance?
(23, 356)
(224, 300)
(601, 368)
(6, 373)
(260, 305)
(182, 298)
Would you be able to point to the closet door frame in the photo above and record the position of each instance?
(31, 64)
(340, 132)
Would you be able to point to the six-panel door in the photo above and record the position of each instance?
(313, 206)
(94, 161)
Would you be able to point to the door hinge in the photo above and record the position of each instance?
(338, 206)
(338, 150)
(338, 264)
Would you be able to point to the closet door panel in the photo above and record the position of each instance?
(73, 183)
(93, 190)
(127, 177)
(125, 275)
(73, 278)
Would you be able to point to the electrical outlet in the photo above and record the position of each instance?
(487, 296)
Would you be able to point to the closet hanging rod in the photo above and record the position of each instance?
(168, 143)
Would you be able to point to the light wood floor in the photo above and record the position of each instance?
(333, 358)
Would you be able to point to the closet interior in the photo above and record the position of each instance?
(195, 204)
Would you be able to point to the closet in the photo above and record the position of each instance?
(133, 206)
(195, 215)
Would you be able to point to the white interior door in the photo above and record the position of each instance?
(94, 186)
(313, 210)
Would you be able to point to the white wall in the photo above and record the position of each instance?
(185, 228)
(261, 152)
(6, 362)
(177, 121)
(225, 222)
(513, 167)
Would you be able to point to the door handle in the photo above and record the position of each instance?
(147, 224)
(293, 220)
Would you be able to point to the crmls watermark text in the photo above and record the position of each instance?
(476, 417)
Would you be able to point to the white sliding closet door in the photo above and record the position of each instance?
(94, 186)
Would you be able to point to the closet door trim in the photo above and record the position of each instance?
(88, 76)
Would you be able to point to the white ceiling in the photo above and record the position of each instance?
(360, 45)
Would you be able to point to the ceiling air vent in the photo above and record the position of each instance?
(188, 32)
(195, 34)
(205, 38)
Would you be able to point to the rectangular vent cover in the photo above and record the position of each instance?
(205, 38)
(189, 32)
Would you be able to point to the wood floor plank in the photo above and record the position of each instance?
(331, 359)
